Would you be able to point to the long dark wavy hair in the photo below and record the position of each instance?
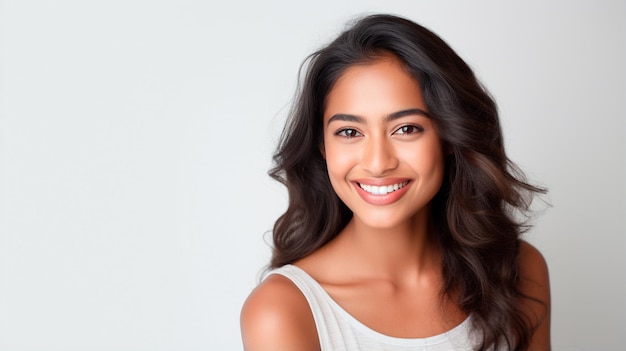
(476, 210)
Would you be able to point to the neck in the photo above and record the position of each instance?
(404, 252)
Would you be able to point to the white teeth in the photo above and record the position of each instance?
(384, 189)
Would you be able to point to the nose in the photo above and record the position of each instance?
(379, 156)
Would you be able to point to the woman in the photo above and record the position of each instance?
(400, 232)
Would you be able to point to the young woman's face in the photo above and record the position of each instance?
(383, 154)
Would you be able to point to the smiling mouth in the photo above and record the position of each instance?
(383, 189)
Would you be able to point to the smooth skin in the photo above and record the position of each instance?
(383, 268)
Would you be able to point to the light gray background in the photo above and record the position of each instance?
(135, 137)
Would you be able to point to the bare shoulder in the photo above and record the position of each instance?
(532, 261)
(535, 283)
(276, 316)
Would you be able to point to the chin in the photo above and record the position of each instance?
(389, 219)
(381, 222)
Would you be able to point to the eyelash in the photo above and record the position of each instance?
(415, 129)
(344, 133)
(350, 133)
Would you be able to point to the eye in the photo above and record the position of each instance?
(348, 133)
(409, 129)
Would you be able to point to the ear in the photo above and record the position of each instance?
(322, 150)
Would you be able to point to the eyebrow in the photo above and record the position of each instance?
(358, 119)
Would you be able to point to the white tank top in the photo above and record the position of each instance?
(339, 331)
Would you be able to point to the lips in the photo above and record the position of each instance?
(381, 192)
(382, 189)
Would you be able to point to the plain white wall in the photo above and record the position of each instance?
(135, 137)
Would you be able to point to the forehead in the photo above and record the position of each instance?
(382, 86)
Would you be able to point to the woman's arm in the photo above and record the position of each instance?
(276, 317)
(535, 283)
